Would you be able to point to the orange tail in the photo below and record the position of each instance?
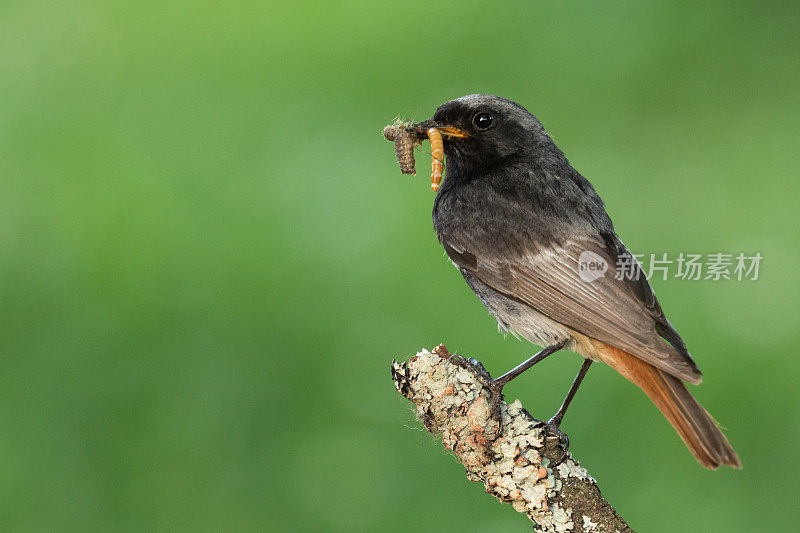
(693, 423)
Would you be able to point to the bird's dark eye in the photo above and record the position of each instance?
(483, 121)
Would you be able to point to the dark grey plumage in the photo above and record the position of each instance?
(516, 219)
(514, 216)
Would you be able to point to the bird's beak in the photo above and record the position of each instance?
(421, 130)
(450, 131)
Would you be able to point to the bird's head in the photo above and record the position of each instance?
(483, 129)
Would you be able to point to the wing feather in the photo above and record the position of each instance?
(621, 312)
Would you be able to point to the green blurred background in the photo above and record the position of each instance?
(209, 256)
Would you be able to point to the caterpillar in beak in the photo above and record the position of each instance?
(403, 146)
(404, 143)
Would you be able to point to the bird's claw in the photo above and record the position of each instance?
(478, 367)
(555, 431)
(556, 442)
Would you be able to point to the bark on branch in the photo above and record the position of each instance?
(518, 461)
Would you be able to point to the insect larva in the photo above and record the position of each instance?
(404, 142)
(403, 147)
(437, 157)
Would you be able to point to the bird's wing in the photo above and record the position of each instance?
(621, 312)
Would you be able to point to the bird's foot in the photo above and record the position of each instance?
(556, 442)
(555, 431)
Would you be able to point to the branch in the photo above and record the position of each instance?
(520, 462)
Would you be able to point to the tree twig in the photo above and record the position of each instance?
(518, 461)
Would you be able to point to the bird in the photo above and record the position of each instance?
(532, 238)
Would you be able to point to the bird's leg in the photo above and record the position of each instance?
(554, 423)
(499, 383)
(559, 416)
(496, 385)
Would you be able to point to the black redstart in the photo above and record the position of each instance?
(533, 240)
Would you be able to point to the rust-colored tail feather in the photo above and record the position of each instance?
(693, 423)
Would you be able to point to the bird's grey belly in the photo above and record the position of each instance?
(517, 318)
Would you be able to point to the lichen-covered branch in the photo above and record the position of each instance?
(518, 461)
